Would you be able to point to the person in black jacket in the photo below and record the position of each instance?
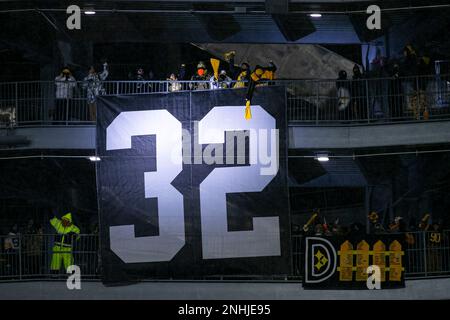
(359, 95)
(395, 94)
(260, 76)
(343, 95)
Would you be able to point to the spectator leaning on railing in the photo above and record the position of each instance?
(174, 85)
(359, 94)
(202, 76)
(142, 85)
(223, 82)
(65, 85)
(92, 83)
(434, 247)
(12, 247)
(243, 78)
(33, 246)
(395, 93)
(343, 95)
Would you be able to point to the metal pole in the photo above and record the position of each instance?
(425, 253)
(417, 99)
(67, 111)
(317, 103)
(367, 207)
(367, 101)
(20, 256)
(17, 103)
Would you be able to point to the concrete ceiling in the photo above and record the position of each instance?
(231, 21)
(293, 61)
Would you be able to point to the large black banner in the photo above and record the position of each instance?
(188, 187)
(354, 262)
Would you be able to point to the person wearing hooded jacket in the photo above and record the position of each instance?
(66, 233)
(201, 76)
(358, 94)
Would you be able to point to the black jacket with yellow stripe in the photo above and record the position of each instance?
(260, 75)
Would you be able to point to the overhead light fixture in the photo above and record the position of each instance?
(315, 15)
(89, 11)
(322, 157)
(94, 158)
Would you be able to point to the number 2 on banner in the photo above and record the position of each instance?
(217, 241)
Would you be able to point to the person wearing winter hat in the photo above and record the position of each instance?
(201, 76)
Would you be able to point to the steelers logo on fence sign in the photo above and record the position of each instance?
(320, 260)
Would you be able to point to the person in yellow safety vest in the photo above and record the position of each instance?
(62, 248)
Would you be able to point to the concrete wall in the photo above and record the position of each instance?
(329, 137)
(300, 137)
(75, 137)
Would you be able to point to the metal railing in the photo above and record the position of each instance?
(365, 101)
(427, 254)
(36, 256)
(310, 102)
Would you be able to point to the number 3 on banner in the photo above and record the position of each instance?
(217, 241)
(171, 237)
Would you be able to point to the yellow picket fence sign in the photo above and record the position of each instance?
(379, 256)
(362, 260)
(346, 265)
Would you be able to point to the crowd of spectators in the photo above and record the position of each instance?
(352, 93)
(386, 82)
(28, 247)
(222, 75)
(319, 226)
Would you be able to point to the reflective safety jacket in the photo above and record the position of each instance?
(65, 235)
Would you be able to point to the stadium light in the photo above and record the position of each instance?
(315, 15)
(89, 11)
(94, 158)
(322, 157)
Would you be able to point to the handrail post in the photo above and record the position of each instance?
(317, 102)
(17, 102)
(417, 104)
(367, 100)
(20, 256)
(67, 111)
(425, 260)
